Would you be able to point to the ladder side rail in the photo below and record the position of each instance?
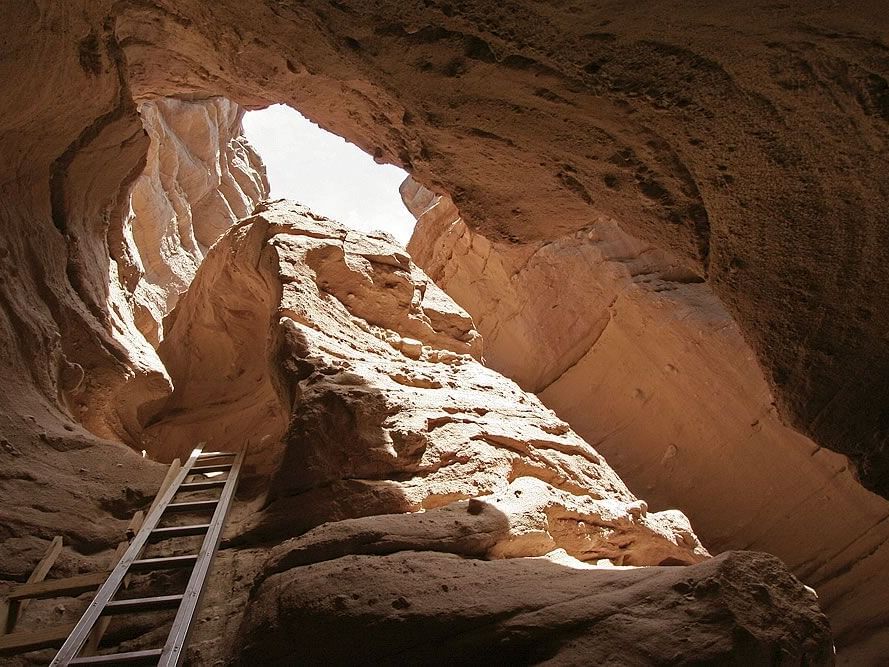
(85, 625)
(95, 639)
(174, 650)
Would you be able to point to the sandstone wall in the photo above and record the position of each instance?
(642, 359)
(200, 177)
(750, 144)
(399, 498)
(76, 301)
(353, 381)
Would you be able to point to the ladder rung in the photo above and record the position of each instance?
(193, 505)
(165, 563)
(185, 604)
(142, 604)
(215, 467)
(133, 657)
(20, 642)
(215, 455)
(58, 587)
(178, 531)
(197, 486)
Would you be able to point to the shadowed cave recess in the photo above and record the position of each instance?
(622, 399)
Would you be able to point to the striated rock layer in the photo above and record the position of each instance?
(83, 301)
(750, 143)
(351, 378)
(401, 500)
(439, 609)
(640, 357)
(370, 424)
(200, 177)
(75, 301)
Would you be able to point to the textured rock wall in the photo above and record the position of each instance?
(415, 471)
(84, 304)
(412, 503)
(75, 364)
(400, 500)
(200, 177)
(641, 358)
(745, 142)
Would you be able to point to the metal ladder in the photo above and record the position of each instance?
(103, 604)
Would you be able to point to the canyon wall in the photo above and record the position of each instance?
(400, 499)
(83, 300)
(200, 177)
(449, 513)
(81, 308)
(643, 360)
(750, 144)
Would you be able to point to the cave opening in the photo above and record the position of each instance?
(581, 157)
(328, 174)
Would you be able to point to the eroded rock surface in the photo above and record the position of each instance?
(388, 456)
(200, 177)
(76, 306)
(643, 360)
(751, 144)
(83, 300)
(351, 377)
(439, 609)
(407, 500)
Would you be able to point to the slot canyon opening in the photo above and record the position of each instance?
(325, 172)
(644, 232)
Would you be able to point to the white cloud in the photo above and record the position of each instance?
(326, 173)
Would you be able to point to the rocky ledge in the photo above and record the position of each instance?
(409, 503)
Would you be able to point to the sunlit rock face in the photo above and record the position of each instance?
(201, 176)
(641, 358)
(400, 499)
(356, 386)
(746, 143)
(85, 297)
(351, 377)
(79, 300)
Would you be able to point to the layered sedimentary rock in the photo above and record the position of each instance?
(78, 297)
(642, 359)
(351, 378)
(354, 383)
(749, 143)
(413, 504)
(83, 302)
(200, 177)
(439, 609)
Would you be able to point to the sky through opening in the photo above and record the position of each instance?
(326, 173)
